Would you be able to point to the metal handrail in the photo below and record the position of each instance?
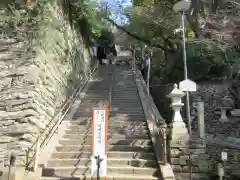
(162, 129)
(60, 115)
(110, 90)
(162, 132)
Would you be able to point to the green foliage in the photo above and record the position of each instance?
(15, 16)
(91, 9)
(156, 21)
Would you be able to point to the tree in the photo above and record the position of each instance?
(212, 31)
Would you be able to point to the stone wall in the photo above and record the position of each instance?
(232, 165)
(37, 75)
(204, 160)
(193, 159)
(210, 92)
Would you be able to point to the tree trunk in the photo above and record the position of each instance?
(235, 92)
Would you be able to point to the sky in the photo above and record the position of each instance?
(116, 7)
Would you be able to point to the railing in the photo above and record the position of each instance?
(162, 132)
(156, 123)
(110, 90)
(51, 129)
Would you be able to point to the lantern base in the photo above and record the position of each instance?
(179, 135)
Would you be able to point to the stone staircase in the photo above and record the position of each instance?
(130, 152)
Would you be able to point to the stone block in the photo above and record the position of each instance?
(203, 169)
(200, 157)
(202, 163)
(174, 160)
(167, 172)
(34, 175)
(16, 173)
(185, 157)
(182, 161)
(175, 152)
(179, 135)
(187, 169)
(197, 151)
(176, 168)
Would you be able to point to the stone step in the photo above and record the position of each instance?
(132, 114)
(126, 106)
(114, 133)
(124, 81)
(194, 176)
(130, 103)
(119, 125)
(89, 101)
(100, 88)
(114, 104)
(88, 141)
(123, 148)
(114, 121)
(130, 99)
(110, 131)
(112, 111)
(235, 113)
(123, 113)
(110, 162)
(111, 128)
(124, 118)
(125, 95)
(86, 170)
(109, 177)
(96, 96)
(119, 110)
(127, 85)
(111, 136)
(112, 154)
(124, 92)
(93, 103)
(96, 91)
(127, 103)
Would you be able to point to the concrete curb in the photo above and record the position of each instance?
(166, 170)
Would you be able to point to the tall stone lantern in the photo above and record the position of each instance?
(179, 132)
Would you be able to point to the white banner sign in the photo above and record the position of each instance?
(99, 144)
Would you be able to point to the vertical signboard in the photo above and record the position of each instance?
(99, 142)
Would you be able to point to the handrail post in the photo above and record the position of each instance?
(110, 92)
(36, 155)
(163, 130)
(164, 144)
(110, 98)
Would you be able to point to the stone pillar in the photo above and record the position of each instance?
(201, 123)
(179, 132)
(226, 104)
(223, 117)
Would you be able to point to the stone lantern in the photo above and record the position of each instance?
(179, 132)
